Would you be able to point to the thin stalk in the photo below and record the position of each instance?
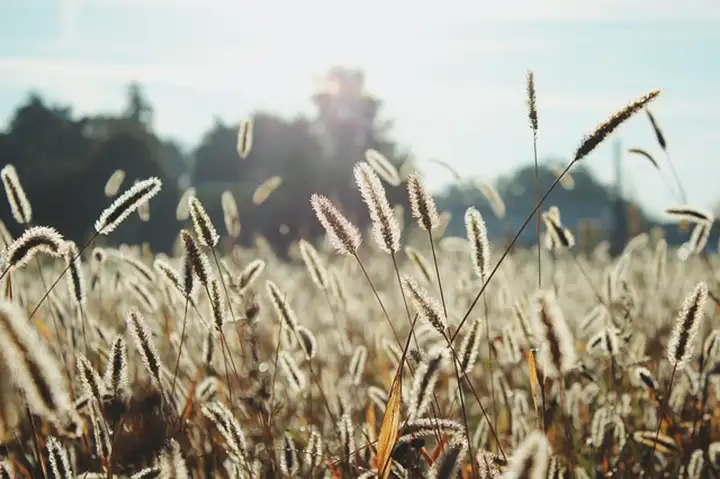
(437, 273)
(182, 340)
(47, 293)
(510, 246)
(537, 205)
(662, 414)
(457, 373)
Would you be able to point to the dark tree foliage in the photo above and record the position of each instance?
(64, 161)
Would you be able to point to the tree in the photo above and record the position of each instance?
(312, 155)
(64, 162)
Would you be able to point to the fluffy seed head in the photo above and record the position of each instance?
(382, 167)
(343, 235)
(602, 131)
(114, 182)
(204, 229)
(75, 279)
(182, 212)
(245, 138)
(230, 214)
(385, 225)
(19, 203)
(687, 322)
(479, 246)
(141, 192)
(144, 343)
(38, 239)
(427, 307)
(531, 101)
(422, 203)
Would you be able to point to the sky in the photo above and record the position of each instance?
(451, 73)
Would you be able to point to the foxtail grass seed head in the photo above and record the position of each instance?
(357, 364)
(250, 274)
(196, 262)
(557, 350)
(557, 235)
(172, 463)
(531, 458)
(114, 183)
(90, 378)
(382, 167)
(282, 308)
(422, 203)
(470, 347)
(314, 265)
(144, 212)
(603, 130)
(266, 188)
(138, 328)
(58, 460)
(293, 374)
(532, 101)
(19, 203)
(141, 192)
(426, 377)
(479, 246)
(448, 464)
(343, 235)
(306, 340)
(182, 212)
(230, 214)
(35, 240)
(245, 138)
(217, 304)
(427, 307)
(689, 213)
(492, 195)
(385, 225)
(204, 229)
(687, 322)
(566, 179)
(6, 238)
(116, 371)
(32, 365)
(75, 279)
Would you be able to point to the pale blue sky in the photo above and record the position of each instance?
(452, 73)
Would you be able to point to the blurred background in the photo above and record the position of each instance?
(159, 87)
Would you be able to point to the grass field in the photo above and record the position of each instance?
(396, 353)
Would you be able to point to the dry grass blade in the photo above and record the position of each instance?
(646, 155)
(658, 132)
(532, 373)
(390, 429)
(456, 176)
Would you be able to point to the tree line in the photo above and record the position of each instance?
(64, 160)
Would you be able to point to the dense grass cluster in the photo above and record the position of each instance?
(397, 353)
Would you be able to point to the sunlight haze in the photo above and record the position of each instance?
(451, 74)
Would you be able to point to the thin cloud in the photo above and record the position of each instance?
(456, 11)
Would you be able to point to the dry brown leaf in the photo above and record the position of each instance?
(532, 372)
(371, 420)
(389, 429)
